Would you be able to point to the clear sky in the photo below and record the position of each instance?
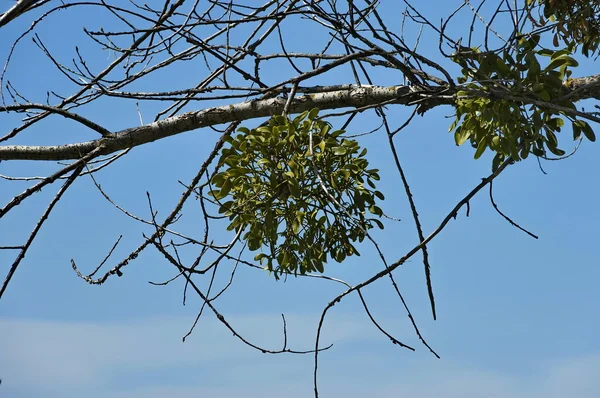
(517, 317)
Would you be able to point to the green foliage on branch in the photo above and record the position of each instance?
(574, 22)
(285, 196)
(513, 104)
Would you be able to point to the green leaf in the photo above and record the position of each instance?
(260, 257)
(294, 188)
(587, 131)
(543, 95)
(502, 68)
(552, 140)
(218, 179)
(461, 135)
(533, 66)
(582, 126)
(233, 225)
(560, 53)
(322, 146)
(231, 160)
(576, 130)
(534, 40)
(339, 150)
(453, 125)
(379, 223)
(556, 151)
(227, 185)
(253, 244)
(376, 210)
(264, 129)
(341, 256)
(562, 60)
(546, 52)
(319, 266)
(480, 148)
(295, 226)
(226, 207)
(300, 117)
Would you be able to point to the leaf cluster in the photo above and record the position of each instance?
(502, 103)
(574, 22)
(278, 191)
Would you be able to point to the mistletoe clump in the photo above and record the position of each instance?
(575, 22)
(514, 105)
(299, 204)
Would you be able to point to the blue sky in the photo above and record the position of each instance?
(517, 317)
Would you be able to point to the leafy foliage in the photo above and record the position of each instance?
(514, 105)
(575, 22)
(271, 188)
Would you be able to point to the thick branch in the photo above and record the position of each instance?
(128, 138)
(355, 96)
(21, 7)
(583, 88)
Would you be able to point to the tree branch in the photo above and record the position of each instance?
(132, 137)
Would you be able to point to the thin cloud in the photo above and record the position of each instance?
(145, 358)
